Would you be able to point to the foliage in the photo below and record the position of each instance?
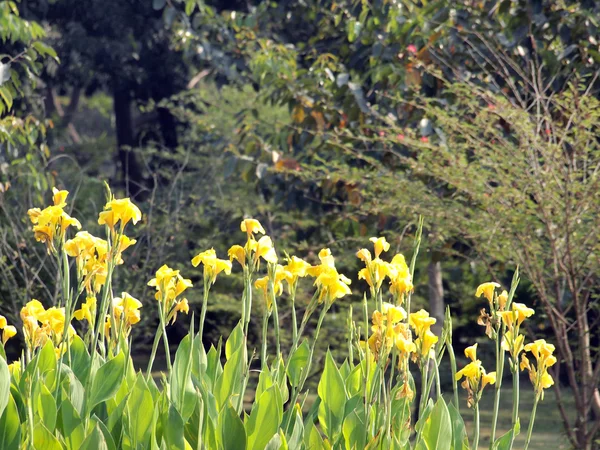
(75, 389)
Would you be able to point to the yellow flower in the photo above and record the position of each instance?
(55, 318)
(420, 321)
(546, 380)
(3, 322)
(297, 268)
(127, 307)
(327, 262)
(405, 345)
(515, 317)
(238, 253)
(251, 226)
(51, 222)
(488, 378)
(472, 371)
(524, 363)
(426, 342)
(394, 314)
(87, 310)
(59, 197)
(7, 332)
(212, 265)
(471, 352)
(264, 249)
(169, 285)
(401, 282)
(501, 300)
(380, 245)
(487, 289)
(181, 306)
(540, 349)
(14, 367)
(364, 255)
(122, 210)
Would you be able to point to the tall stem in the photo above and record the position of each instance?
(276, 326)
(153, 354)
(204, 306)
(476, 415)
(294, 319)
(530, 427)
(453, 368)
(165, 338)
(515, 412)
(263, 349)
(424, 389)
(498, 386)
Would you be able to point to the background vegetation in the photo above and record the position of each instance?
(330, 122)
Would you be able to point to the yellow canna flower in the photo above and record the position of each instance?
(264, 249)
(471, 352)
(426, 342)
(122, 210)
(3, 322)
(251, 226)
(540, 349)
(364, 255)
(501, 300)
(59, 197)
(513, 344)
(297, 268)
(471, 371)
(7, 332)
(487, 290)
(405, 346)
(488, 378)
(128, 307)
(181, 306)
(238, 253)
(87, 310)
(212, 265)
(169, 285)
(52, 222)
(515, 317)
(380, 245)
(421, 322)
(401, 282)
(524, 363)
(546, 380)
(14, 367)
(394, 314)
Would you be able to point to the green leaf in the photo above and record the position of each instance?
(297, 434)
(46, 406)
(235, 341)
(71, 425)
(213, 366)
(140, 410)
(437, 432)
(107, 380)
(4, 385)
(173, 429)
(110, 444)
(43, 439)
(505, 441)
(264, 419)
(183, 394)
(232, 429)
(354, 430)
(229, 383)
(298, 362)
(332, 393)
(10, 426)
(80, 359)
(460, 439)
(95, 440)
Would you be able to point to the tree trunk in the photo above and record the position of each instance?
(436, 293)
(132, 173)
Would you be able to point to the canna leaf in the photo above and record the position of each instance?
(107, 380)
(95, 440)
(332, 393)
(140, 410)
(505, 441)
(264, 419)
(80, 359)
(230, 382)
(233, 433)
(46, 407)
(70, 425)
(4, 385)
(437, 432)
(43, 439)
(10, 426)
(183, 394)
(298, 361)
(460, 440)
(235, 341)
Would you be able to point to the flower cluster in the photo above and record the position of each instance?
(125, 313)
(377, 270)
(421, 323)
(169, 286)
(538, 373)
(40, 324)
(8, 331)
(331, 284)
(476, 378)
(389, 330)
(50, 224)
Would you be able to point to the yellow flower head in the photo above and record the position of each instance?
(14, 367)
(238, 253)
(471, 352)
(488, 378)
(471, 371)
(487, 290)
(515, 317)
(59, 197)
(33, 308)
(251, 226)
(393, 314)
(501, 300)
(297, 268)
(127, 308)
(264, 249)
(380, 245)
(169, 285)
(122, 210)
(421, 322)
(52, 222)
(512, 343)
(426, 343)
(401, 282)
(540, 349)
(364, 255)
(3, 322)
(181, 306)
(87, 310)
(212, 265)
(7, 332)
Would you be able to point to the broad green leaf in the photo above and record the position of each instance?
(277, 442)
(298, 362)
(183, 394)
(229, 383)
(423, 416)
(235, 341)
(504, 442)
(95, 440)
(70, 425)
(10, 426)
(233, 434)
(110, 443)
(214, 369)
(173, 429)
(332, 393)
(354, 382)
(47, 358)
(107, 380)
(199, 361)
(437, 432)
(43, 439)
(264, 419)
(4, 385)
(354, 430)
(140, 410)
(460, 440)
(297, 433)
(46, 406)
(314, 441)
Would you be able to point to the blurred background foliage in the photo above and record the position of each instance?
(324, 120)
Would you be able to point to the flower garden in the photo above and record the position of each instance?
(75, 385)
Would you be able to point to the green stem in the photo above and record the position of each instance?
(424, 387)
(263, 349)
(204, 306)
(276, 325)
(498, 386)
(453, 368)
(476, 416)
(367, 361)
(153, 354)
(515, 412)
(294, 319)
(530, 428)
(165, 338)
